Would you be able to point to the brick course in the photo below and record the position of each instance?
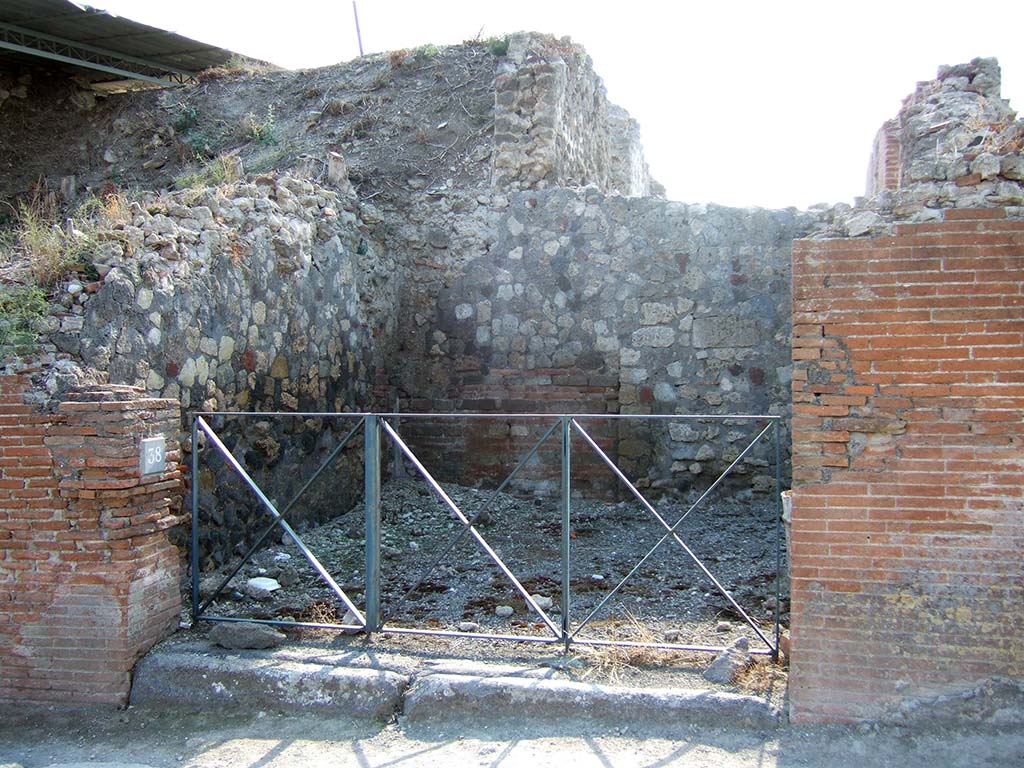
(908, 459)
(88, 577)
(471, 450)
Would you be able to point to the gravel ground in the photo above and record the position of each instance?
(733, 536)
(668, 599)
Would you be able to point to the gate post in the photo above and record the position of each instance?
(566, 533)
(778, 537)
(194, 481)
(371, 460)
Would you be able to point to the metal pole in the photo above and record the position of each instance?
(778, 536)
(443, 556)
(371, 440)
(671, 530)
(566, 532)
(359, 35)
(398, 472)
(195, 519)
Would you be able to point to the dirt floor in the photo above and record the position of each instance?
(43, 737)
(436, 581)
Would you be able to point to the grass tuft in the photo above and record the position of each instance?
(50, 249)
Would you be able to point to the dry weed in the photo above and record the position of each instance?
(762, 676)
(397, 58)
(49, 248)
(321, 612)
(1000, 138)
(613, 661)
(336, 107)
(237, 66)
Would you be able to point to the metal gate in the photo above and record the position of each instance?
(379, 429)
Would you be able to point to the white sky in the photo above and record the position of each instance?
(769, 103)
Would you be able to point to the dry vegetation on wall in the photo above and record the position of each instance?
(48, 247)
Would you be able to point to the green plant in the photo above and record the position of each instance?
(20, 307)
(262, 131)
(428, 51)
(187, 118)
(497, 46)
(199, 144)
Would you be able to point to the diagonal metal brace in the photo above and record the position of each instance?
(279, 520)
(472, 529)
(473, 521)
(671, 530)
(270, 528)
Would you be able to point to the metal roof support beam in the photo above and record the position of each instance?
(27, 41)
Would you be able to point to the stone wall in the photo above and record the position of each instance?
(907, 578)
(88, 577)
(581, 302)
(262, 296)
(269, 296)
(628, 174)
(554, 126)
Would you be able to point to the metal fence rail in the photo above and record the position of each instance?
(379, 426)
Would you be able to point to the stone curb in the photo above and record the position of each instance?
(261, 682)
(440, 692)
(442, 697)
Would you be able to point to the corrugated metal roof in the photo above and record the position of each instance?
(108, 46)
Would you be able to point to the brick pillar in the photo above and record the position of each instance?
(908, 465)
(88, 577)
(885, 166)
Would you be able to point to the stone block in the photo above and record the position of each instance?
(725, 331)
(654, 313)
(658, 336)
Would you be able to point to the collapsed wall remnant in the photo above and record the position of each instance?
(956, 143)
(554, 126)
